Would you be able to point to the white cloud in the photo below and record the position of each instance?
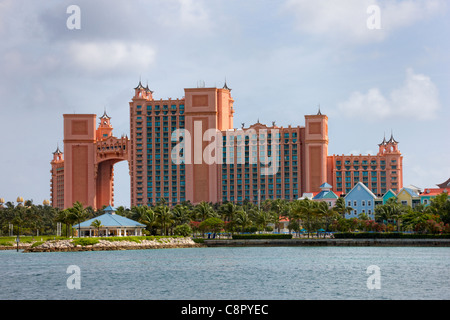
(418, 98)
(185, 15)
(105, 57)
(346, 20)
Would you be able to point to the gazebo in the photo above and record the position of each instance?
(111, 224)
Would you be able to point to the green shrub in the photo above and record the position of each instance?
(37, 243)
(6, 243)
(85, 241)
(183, 230)
(261, 236)
(130, 238)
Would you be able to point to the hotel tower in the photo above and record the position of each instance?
(189, 150)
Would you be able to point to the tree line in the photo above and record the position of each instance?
(300, 216)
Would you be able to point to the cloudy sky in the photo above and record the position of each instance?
(281, 58)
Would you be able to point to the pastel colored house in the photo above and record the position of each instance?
(327, 195)
(388, 195)
(382, 200)
(112, 224)
(362, 200)
(409, 197)
(430, 193)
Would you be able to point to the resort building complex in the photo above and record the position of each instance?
(188, 149)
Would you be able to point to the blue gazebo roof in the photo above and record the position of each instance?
(325, 186)
(110, 220)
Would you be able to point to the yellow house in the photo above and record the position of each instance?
(408, 197)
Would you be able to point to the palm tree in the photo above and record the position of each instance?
(341, 208)
(124, 212)
(19, 217)
(34, 217)
(279, 207)
(181, 214)
(164, 218)
(242, 219)
(78, 214)
(63, 216)
(228, 211)
(390, 212)
(145, 215)
(97, 224)
(306, 211)
(327, 214)
(263, 218)
(204, 210)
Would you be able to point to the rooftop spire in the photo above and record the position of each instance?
(319, 113)
(147, 88)
(140, 86)
(392, 140)
(225, 85)
(57, 150)
(384, 140)
(105, 115)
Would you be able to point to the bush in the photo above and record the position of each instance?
(182, 230)
(261, 236)
(85, 241)
(6, 243)
(37, 243)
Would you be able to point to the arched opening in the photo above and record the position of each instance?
(107, 182)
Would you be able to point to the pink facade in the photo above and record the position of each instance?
(379, 172)
(299, 155)
(89, 156)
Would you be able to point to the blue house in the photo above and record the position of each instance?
(362, 200)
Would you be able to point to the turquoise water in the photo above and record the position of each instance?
(250, 273)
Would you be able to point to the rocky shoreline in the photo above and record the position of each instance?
(105, 245)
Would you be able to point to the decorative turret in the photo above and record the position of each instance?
(389, 146)
(143, 92)
(105, 128)
(57, 155)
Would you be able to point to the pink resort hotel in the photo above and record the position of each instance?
(188, 150)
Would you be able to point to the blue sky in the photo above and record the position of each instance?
(281, 58)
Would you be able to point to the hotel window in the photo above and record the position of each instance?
(363, 203)
(354, 204)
